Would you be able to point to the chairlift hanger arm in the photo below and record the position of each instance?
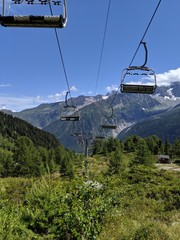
(66, 101)
(143, 66)
(111, 115)
(108, 122)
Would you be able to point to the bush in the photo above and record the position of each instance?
(150, 232)
(59, 211)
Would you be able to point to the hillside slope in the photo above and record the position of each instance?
(12, 127)
(166, 126)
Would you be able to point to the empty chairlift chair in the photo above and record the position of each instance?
(109, 122)
(138, 79)
(100, 135)
(70, 112)
(33, 20)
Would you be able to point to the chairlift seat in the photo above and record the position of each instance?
(144, 89)
(69, 118)
(32, 21)
(108, 126)
(100, 137)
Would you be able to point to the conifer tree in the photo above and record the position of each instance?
(6, 163)
(67, 166)
(143, 155)
(27, 160)
(117, 163)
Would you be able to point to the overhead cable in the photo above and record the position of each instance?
(142, 39)
(61, 56)
(102, 48)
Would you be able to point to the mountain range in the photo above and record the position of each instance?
(139, 114)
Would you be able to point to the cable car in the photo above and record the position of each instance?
(70, 112)
(138, 79)
(109, 122)
(41, 21)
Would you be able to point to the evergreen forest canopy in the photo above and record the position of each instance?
(13, 127)
(117, 193)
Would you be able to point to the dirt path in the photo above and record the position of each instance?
(171, 167)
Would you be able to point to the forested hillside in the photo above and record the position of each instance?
(28, 151)
(13, 127)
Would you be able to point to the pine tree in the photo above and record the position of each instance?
(6, 163)
(27, 160)
(67, 166)
(117, 162)
(143, 154)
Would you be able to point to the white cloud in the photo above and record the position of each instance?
(73, 88)
(166, 78)
(5, 85)
(60, 96)
(112, 88)
(57, 96)
(19, 103)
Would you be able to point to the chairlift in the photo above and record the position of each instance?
(79, 137)
(41, 21)
(100, 134)
(138, 79)
(108, 122)
(100, 137)
(70, 112)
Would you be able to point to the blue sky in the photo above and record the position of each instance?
(31, 70)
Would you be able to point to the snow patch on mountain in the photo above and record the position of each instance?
(171, 96)
(105, 97)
